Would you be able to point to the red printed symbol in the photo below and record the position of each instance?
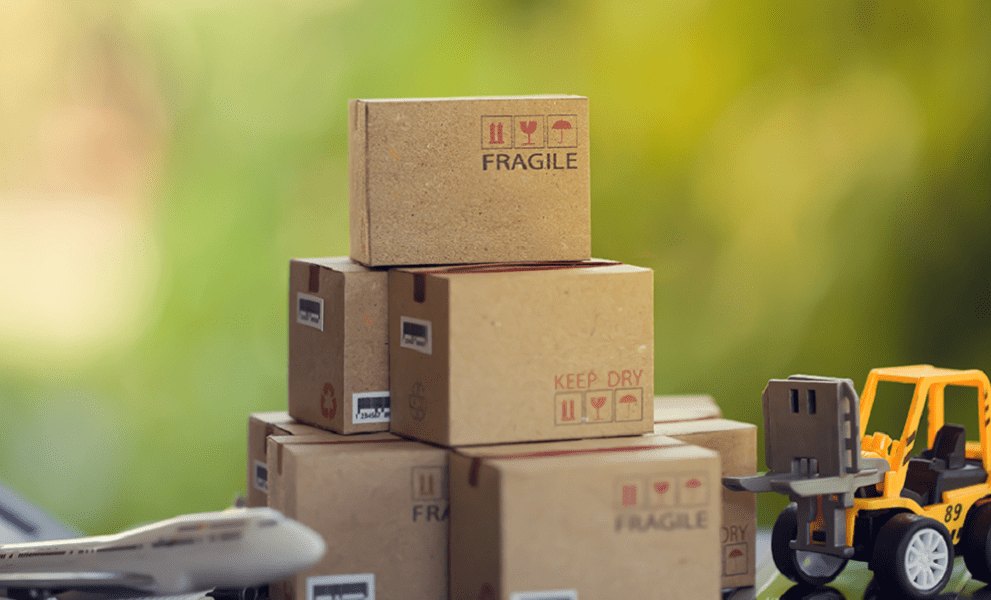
(426, 485)
(487, 592)
(735, 554)
(629, 400)
(495, 133)
(693, 483)
(629, 495)
(528, 127)
(597, 403)
(661, 486)
(328, 412)
(567, 410)
(562, 125)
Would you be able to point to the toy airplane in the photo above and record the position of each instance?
(228, 551)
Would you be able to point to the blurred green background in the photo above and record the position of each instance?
(811, 183)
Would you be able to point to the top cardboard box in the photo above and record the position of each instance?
(469, 180)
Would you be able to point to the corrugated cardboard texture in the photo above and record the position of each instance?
(260, 426)
(507, 354)
(608, 519)
(378, 500)
(458, 180)
(689, 407)
(736, 444)
(349, 356)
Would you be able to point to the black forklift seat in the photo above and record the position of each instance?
(942, 468)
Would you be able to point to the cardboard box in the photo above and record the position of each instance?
(380, 502)
(469, 180)
(516, 353)
(689, 407)
(338, 345)
(736, 444)
(260, 427)
(631, 517)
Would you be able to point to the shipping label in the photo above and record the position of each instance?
(370, 407)
(260, 478)
(416, 334)
(341, 587)
(309, 310)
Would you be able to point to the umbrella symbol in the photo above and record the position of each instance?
(629, 400)
(562, 125)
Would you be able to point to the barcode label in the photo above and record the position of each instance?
(261, 477)
(309, 310)
(416, 334)
(370, 407)
(549, 595)
(341, 587)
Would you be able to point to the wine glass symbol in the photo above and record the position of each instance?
(597, 403)
(528, 127)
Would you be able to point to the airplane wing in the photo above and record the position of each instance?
(22, 521)
(74, 580)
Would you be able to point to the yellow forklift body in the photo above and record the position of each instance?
(930, 383)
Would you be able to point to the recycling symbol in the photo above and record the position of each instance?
(417, 403)
(328, 412)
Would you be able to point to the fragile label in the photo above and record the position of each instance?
(547, 595)
(261, 477)
(429, 483)
(309, 310)
(416, 334)
(429, 487)
(341, 587)
(664, 490)
(370, 407)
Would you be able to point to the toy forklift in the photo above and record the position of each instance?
(865, 497)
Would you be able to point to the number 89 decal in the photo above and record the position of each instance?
(952, 512)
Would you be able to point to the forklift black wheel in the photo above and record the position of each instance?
(805, 568)
(976, 543)
(914, 555)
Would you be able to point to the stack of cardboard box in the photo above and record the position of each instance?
(514, 372)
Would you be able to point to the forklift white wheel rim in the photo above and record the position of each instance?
(926, 559)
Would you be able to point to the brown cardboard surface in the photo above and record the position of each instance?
(736, 444)
(260, 426)
(457, 180)
(630, 517)
(688, 407)
(338, 345)
(379, 501)
(510, 353)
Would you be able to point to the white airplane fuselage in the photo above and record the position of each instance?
(237, 548)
